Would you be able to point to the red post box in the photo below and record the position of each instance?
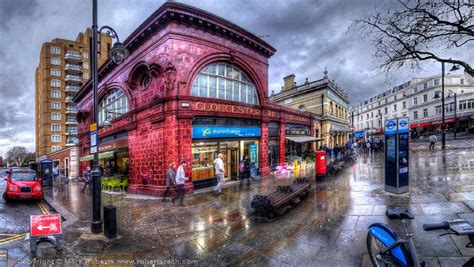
(320, 160)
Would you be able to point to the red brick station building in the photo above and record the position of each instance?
(193, 85)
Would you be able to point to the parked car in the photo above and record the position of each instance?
(23, 184)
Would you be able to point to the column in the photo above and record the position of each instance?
(263, 151)
(184, 143)
(282, 145)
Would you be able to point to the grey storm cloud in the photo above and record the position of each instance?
(309, 35)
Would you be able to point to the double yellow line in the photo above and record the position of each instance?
(11, 238)
(43, 207)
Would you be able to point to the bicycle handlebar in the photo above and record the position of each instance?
(436, 226)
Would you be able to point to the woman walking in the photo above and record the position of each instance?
(170, 178)
(180, 181)
(244, 171)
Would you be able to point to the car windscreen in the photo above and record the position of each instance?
(23, 176)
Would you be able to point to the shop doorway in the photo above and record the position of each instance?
(234, 162)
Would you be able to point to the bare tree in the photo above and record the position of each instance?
(414, 31)
(19, 156)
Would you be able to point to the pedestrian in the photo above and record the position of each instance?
(219, 172)
(367, 145)
(55, 173)
(170, 178)
(180, 180)
(244, 171)
(87, 179)
(433, 140)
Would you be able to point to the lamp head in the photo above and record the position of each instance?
(454, 68)
(118, 53)
(106, 124)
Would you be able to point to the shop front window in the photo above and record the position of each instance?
(225, 81)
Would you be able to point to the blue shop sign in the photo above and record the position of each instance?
(359, 134)
(221, 132)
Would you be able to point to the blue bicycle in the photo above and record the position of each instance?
(387, 248)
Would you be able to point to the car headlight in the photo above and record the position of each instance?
(12, 188)
(38, 188)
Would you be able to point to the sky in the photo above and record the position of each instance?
(309, 35)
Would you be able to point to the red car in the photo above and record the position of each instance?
(22, 184)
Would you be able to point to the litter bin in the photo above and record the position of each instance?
(320, 161)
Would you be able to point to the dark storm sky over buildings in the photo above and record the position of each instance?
(309, 35)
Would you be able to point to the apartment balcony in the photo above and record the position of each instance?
(70, 144)
(72, 88)
(73, 78)
(71, 122)
(71, 132)
(71, 110)
(73, 68)
(73, 56)
(69, 99)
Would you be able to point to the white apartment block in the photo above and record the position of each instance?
(420, 100)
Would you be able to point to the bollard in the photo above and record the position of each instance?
(110, 221)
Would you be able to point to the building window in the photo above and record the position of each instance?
(386, 110)
(450, 108)
(301, 108)
(55, 94)
(55, 83)
(415, 101)
(395, 107)
(395, 97)
(425, 98)
(372, 114)
(85, 55)
(85, 65)
(415, 89)
(425, 85)
(386, 100)
(85, 75)
(55, 72)
(55, 138)
(55, 105)
(55, 50)
(225, 81)
(367, 115)
(55, 148)
(55, 116)
(55, 127)
(436, 82)
(462, 81)
(404, 104)
(425, 113)
(113, 105)
(415, 115)
(438, 110)
(55, 61)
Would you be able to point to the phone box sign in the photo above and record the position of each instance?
(44, 225)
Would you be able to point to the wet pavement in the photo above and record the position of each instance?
(328, 228)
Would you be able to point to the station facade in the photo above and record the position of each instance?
(194, 85)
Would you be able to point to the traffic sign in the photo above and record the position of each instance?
(45, 225)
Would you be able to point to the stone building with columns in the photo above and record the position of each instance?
(194, 85)
(328, 103)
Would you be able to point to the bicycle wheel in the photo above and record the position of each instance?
(374, 246)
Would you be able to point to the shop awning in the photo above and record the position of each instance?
(339, 128)
(303, 139)
(105, 155)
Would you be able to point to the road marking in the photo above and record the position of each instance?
(11, 239)
(43, 208)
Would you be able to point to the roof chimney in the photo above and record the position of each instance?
(289, 82)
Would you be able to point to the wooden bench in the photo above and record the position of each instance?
(280, 200)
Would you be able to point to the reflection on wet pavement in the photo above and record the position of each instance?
(327, 228)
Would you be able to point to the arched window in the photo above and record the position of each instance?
(225, 81)
(113, 105)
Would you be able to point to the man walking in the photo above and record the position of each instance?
(180, 181)
(219, 171)
(245, 171)
(88, 179)
(433, 140)
(170, 178)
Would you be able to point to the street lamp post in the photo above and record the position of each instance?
(118, 53)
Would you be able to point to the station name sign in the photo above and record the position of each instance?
(220, 132)
(202, 106)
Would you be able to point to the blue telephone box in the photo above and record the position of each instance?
(396, 155)
(46, 172)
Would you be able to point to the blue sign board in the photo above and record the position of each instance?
(359, 134)
(391, 126)
(403, 125)
(94, 141)
(221, 132)
(253, 153)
